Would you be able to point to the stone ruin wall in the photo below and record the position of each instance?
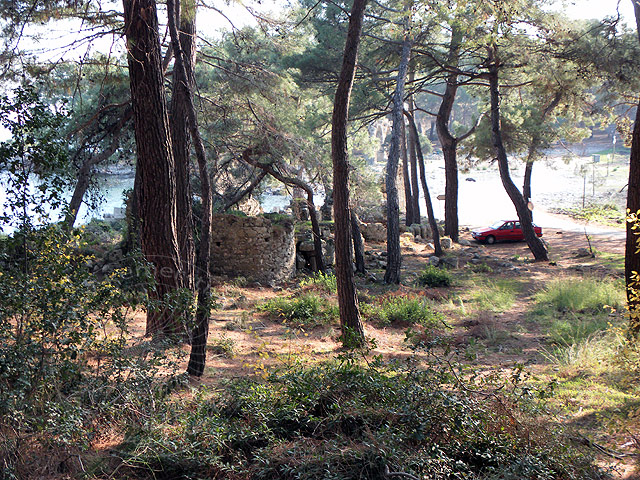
(253, 247)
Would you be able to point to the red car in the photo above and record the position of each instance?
(502, 230)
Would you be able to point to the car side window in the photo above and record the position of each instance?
(517, 225)
(507, 226)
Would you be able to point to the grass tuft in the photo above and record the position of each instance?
(581, 295)
(495, 295)
(403, 311)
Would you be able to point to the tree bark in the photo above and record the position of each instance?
(178, 117)
(413, 172)
(427, 197)
(200, 333)
(413, 139)
(358, 244)
(394, 258)
(408, 200)
(631, 256)
(448, 142)
(532, 153)
(535, 244)
(155, 162)
(350, 322)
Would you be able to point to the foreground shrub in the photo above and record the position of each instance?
(325, 282)
(64, 365)
(306, 310)
(433, 276)
(343, 421)
(403, 311)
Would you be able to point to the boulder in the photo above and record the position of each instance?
(583, 252)
(250, 206)
(446, 243)
(433, 260)
(452, 262)
(328, 252)
(374, 232)
(115, 255)
(416, 230)
(306, 246)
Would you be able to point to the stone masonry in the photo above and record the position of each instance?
(253, 247)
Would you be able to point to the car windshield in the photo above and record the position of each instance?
(497, 224)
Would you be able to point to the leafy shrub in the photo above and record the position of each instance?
(64, 364)
(403, 311)
(344, 421)
(322, 281)
(223, 346)
(305, 310)
(102, 233)
(433, 276)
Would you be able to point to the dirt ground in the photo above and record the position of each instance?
(244, 342)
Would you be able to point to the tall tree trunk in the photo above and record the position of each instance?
(197, 358)
(180, 139)
(394, 258)
(535, 244)
(449, 150)
(350, 322)
(532, 153)
(157, 193)
(132, 239)
(358, 244)
(413, 139)
(427, 197)
(631, 256)
(448, 142)
(408, 201)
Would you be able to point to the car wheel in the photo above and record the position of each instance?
(491, 239)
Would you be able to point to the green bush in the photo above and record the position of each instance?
(223, 346)
(64, 364)
(433, 276)
(306, 310)
(403, 311)
(347, 422)
(322, 281)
